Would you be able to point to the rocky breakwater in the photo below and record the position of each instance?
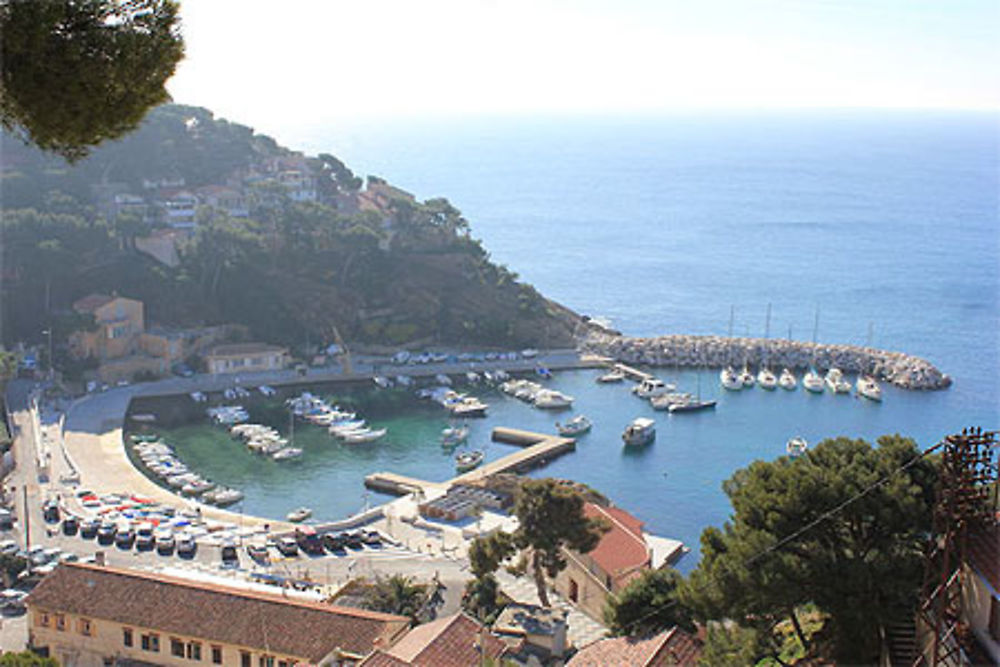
(902, 370)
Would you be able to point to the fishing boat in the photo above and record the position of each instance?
(468, 406)
(299, 515)
(613, 375)
(454, 435)
(652, 386)
(578, 425)
(223, 496)
(550, 399)
(467, 461)
(641, 431)
(366, 435)
(796, 447)
(869, 388)
(787, 380)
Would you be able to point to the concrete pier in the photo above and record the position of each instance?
(539, 449)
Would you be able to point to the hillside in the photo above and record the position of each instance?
(208, 222)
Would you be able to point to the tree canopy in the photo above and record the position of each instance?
(74, 73)
(842, 527)
(647, 605)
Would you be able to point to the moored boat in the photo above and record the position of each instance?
(286, 453)
(298, 515)
(366, 435)
(550, 399)
(813, 382)
(652, 386)
(730, 379)
(613, 375)
(746, 377)
(578, 425)
(467, 461)
(787, 380)
(796, 447)
(454, 435)
(766, 379)
(836, 382)
(664, 401)
(691, 405)
(869, 388)
(641, 431)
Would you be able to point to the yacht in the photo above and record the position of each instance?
(641, 431)
(664, 401)
(549, 399)
(467, 461)
(454, 435)
(691, 405)
(286, 453)
(613, 375)
(766, 379)
(652, 386)
(812, 382)
(836, 382)
(730, 379)
(364, 435)
(578, 425)
(468, 406)
(796, 447)
(869, 388)
(746, 377)
(787, 379)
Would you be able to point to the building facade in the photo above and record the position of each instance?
(245, 358)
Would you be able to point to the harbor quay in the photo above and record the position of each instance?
(679, 350)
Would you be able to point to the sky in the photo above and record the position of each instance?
(274, 64)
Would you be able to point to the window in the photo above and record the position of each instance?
(42, 619)
(176, 647)
(244, 659)
(60, 622)
(127, 636)
(267, 661)
(216, 655)
(194, 651)
(574, 590)
(85, 627)
(150, 642)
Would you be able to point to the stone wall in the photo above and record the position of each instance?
(898, 368)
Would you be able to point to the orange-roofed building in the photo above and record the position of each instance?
(450, 641)
(673, 647)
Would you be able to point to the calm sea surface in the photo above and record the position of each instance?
(881, 220)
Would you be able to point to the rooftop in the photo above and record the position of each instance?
(241, 349)
(213, 612)
(623, 548)
(91, 302)
(673, 647)
(450, 641)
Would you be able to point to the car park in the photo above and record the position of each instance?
(165, 543)
(70, 525)
(372, 538)
(287, 546)
(106, 532)
(354, 540)
(334, 542)
(124, 538)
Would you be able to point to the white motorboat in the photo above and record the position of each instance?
(652, 386)
(836, 382)
(787, 380)
(382, 382)
(404, 380)
(578, 425)
(342, 427)
(813, 382)
(613, 375)
(472, 377)
(266, 390)
(367, 435)
(730, 379)
(454, 435)
(869, 388)
(796, 447)
(286, 453)
(664, 401)
(691, 405)
(300, 514)
(467, 461)
(550, 399)
(746, 377)
(468, 406)
(641, 431)
(766, 379)
(442, 379)
(223, 496)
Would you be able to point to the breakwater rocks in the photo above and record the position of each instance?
(902, 370)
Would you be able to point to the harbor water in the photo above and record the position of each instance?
(882, 221)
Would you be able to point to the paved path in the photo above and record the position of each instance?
(581, 629)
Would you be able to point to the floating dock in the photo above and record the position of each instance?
(633, 373)
(538, 449)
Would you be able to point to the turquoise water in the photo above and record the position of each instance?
(886, 219)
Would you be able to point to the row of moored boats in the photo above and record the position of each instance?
(342, 424)
(162, 462)
(833, 381)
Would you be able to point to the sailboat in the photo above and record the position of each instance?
(811, 380)
(691, 403)
(765, 378)
(728, 376)
(787, 379)
(866, 385)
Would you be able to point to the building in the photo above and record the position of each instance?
(981, 592)
(245, 358)
(119, 321)
(673, 647)
(621, 556)
(179, 208)
(229, 200)
(538, 631)
(90, 615)
(450, 641)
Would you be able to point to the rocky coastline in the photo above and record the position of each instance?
(903, 370)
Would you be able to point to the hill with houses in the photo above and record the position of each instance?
(208, 223)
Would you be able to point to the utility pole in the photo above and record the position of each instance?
(27, 523)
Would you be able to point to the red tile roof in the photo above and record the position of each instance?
(623, 548)
(449, 641)
(213, 613)
(91, 302)
(673, 647)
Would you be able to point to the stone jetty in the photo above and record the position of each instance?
(898, 368)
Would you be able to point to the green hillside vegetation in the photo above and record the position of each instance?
(291, 271)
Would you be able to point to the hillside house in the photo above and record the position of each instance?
(245, 358)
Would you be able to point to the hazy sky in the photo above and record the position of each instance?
(270, 64)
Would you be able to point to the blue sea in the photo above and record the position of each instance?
(884, 222)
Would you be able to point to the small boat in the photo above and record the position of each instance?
(787, 380)
(468, 407)
(869, 388)
(664, 401)
(454, 435)
(300, 514)
(641, 431)
(730, 379)
(766, 379)
(467, 461)
(442, 379)
(266, 390)
(813, 382)
(472, 377)
(836, 382)
(543, 373)
(223, 496)
(404, 380)
(746, 377)
(691, 405)
(652, 386)
(198, 397)
(381, 381)
(614, 375)
(796, 447)
(367, 435)
(286, 453)
(549, 399)
(578, 425)
(197, 487)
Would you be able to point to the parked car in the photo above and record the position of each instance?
(70, 525)
(50, 511)
(144, 540)
(8, 547)
(287, 546)
(125, 538)
(230, 556)
(165, 542)
(6, 519)
(12, 601)
(334, 542)
(258, 553)
(106, 533)
(308, 540)
(186, 546)
(88, 528)
(372, 538)
(355, 539)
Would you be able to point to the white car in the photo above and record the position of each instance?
(529, 353)
(8, 547)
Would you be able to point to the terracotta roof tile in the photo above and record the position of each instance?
(214, 613)
(623, 548)
(449, 641)
(673, 647)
